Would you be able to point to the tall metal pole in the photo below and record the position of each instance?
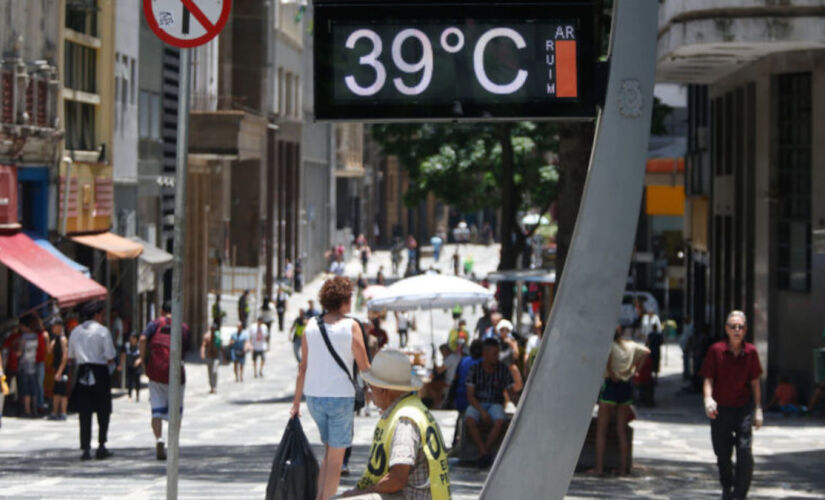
(176, 349)
(547, 432)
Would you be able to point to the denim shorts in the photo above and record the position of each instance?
(334, 419)
(495, 410)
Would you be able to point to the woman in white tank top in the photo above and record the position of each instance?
(330, 394)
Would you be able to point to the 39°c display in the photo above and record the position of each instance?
(453, 61)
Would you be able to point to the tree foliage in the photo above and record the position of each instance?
(471, 166)
(462, 164)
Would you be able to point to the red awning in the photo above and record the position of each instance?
(45, 271)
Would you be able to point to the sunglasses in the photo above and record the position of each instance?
(736, 326)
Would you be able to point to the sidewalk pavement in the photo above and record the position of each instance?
(228, 440)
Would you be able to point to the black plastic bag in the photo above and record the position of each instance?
(294, 473)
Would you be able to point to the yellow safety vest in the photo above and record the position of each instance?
(412, 408)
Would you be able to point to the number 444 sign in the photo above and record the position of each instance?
(186, 23)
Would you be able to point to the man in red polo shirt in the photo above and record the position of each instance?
(733, 404)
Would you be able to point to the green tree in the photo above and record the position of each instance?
(471, 166)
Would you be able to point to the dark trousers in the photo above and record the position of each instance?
(280, 321)
(86, 429)
(133, 380)
(732, 429)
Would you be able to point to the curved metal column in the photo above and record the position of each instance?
(542, 446)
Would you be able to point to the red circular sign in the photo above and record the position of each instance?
(187, 23)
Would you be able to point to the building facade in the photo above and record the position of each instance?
(756, 156)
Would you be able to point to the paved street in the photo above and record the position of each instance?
(228, 440)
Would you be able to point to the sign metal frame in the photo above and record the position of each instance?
(376, 109)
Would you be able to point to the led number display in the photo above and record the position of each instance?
(469, 61)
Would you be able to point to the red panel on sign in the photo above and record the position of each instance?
(566, 80)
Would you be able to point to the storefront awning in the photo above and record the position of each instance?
(45, 271)
(152, 255)
(116, 247)
(151, 261)
(46, 245)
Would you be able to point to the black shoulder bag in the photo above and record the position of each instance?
(359, 391)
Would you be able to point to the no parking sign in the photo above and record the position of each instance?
(187, 23)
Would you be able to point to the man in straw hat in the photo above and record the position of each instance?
(408, 457)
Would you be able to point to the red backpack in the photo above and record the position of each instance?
(157, 366)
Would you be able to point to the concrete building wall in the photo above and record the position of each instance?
(318, 190)
(30, 30)
(125, 133)
(205, 60)
(316, 214)
(787, 325)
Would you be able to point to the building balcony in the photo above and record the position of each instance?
(703, 41)
(231, 134)
(29, 130)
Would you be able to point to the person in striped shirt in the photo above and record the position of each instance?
(486, 384)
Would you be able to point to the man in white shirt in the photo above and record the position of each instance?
(92, 350)
(650, 323)
(402, 319)
(258, 334)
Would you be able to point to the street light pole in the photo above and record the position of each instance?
(176, 348)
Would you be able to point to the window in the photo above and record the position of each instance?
(296, 84)
(792, 94)
(81, 16)
(80, 67)
(132, 81)
(281, 89)
(124, 92)
(276, 99)
(118, 112)
(80, 126)
(149, 115)
(288, 95)
(154, 105)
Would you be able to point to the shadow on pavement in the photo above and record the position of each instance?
(268, 401)
(216, 464)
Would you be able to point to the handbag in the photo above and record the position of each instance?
(360, 399)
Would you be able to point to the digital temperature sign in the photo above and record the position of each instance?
(453, 61)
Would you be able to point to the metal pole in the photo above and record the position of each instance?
(175, 350)
(580, 330)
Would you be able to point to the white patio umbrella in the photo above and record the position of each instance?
(430, 291)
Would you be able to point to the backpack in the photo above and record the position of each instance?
(157, 366)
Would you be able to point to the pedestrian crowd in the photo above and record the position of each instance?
(347, 366)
